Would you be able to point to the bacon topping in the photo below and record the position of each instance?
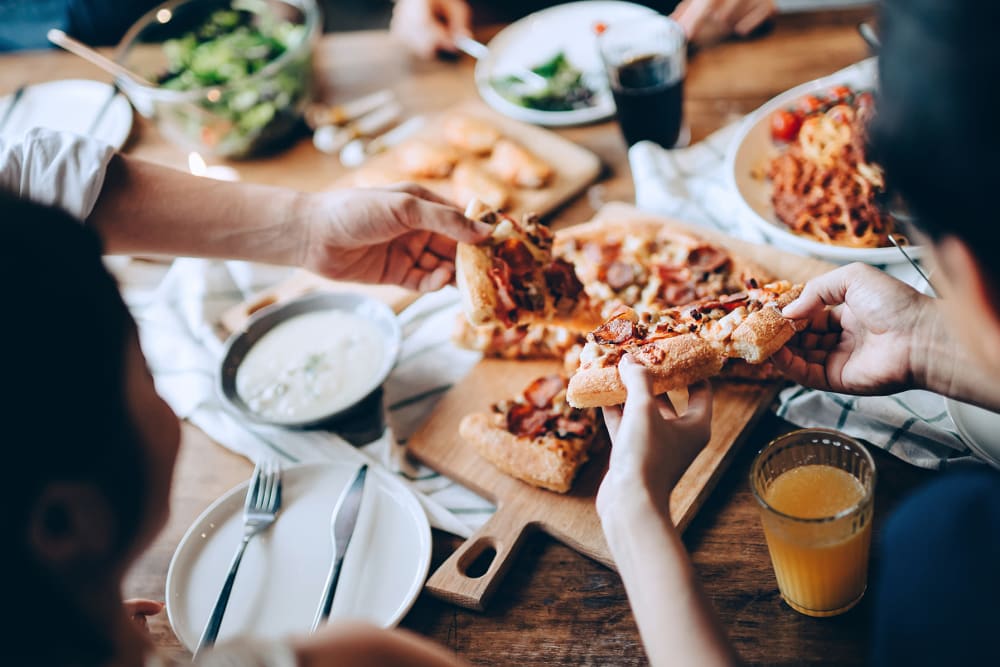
(676, 294)
(567, 426)
(524, 419)
(616, 331)
(707, 258)
(516, 255)
(542, 390)
(561, 279)
(600, 253)
(620, 275)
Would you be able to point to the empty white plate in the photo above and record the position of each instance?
(71, 105)
(280, 582)
(979, 428)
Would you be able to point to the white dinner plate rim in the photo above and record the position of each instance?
(955, 411)
(122, 130)
(772, 229)
(603, 110)
(412, 503)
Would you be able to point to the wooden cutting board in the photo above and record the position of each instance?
(574, 167)
(571, 518)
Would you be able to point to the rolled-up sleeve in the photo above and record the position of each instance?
(56, 169)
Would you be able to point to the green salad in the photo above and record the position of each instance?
(565, 89)
(239, 113)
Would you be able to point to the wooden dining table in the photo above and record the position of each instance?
(555, 607)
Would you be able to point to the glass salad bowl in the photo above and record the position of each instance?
(229, 78)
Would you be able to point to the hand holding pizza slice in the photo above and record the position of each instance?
(681, 346)
(513, 278)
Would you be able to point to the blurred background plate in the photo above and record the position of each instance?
(280, 583)
(979, 429)
(540, 36)
(72, 105)
(751, 149)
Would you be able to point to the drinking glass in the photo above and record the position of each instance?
(818, 518)
(645, 60)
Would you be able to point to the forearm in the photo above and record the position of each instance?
(676, 621)
(943, 365)
(349, 644)
(148, 209)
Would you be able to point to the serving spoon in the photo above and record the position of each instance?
(78, 48)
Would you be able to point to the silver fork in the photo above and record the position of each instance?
(259, 511)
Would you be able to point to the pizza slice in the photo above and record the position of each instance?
(513, 278)
(650, 266)
(683, 345)
(537, 437)
(523, 341)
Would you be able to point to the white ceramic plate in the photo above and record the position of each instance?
(280, 582)
(539, 36)
(978, 428)
(71, 105)
(752, 147)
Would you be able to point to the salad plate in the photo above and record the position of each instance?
(280, 582)
(560, 44)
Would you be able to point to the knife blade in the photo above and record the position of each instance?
(342, 525)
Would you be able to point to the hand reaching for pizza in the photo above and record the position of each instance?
(404, 236)
(868, 333)
(652, 445)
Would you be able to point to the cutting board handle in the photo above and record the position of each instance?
(456, 581)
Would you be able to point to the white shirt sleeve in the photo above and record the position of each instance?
(56, 169)
(249, 653)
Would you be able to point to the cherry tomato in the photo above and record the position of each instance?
(785, 125)
(840, 93)
(810, 104)
(600, 27)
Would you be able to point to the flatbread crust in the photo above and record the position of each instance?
(548, 461)
(681, 360)
(472, 275)
(686, 359)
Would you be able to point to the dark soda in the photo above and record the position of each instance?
(649, 94)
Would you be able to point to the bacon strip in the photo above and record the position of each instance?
(616, 331)
(541, 392)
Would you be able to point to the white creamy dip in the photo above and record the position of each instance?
(311, 366)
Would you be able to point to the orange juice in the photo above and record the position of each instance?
(818, 545)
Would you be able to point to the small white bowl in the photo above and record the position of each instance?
(752, 147)
(239, 344)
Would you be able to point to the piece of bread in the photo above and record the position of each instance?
(469, 182)
(519, 166)
(548, 462)
(470, 133)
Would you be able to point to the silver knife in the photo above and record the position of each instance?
(14, 99)
(342, 524)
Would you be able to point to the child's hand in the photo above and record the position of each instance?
(651, 445)
(138, 609)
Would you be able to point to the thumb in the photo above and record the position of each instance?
(692, 15)
(141, 607)
(450, 222)
(829, 289)
(639, 385)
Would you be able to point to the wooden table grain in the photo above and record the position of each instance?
(556, 607)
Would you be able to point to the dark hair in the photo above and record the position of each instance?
(63, 336)
(936, 131)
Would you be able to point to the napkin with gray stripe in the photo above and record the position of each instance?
(690, 184)
(177, 310)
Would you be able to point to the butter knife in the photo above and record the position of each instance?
(342, 524)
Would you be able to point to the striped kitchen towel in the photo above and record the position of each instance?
(177, 310)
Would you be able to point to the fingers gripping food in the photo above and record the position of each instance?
(683, 345)
(512, 277)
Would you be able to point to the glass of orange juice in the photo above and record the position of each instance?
(816, 490)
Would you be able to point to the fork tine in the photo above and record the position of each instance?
(261, 504)
(267, 501)
(276, 497)
(253, 491)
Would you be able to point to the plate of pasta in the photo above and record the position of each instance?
(800, 168)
